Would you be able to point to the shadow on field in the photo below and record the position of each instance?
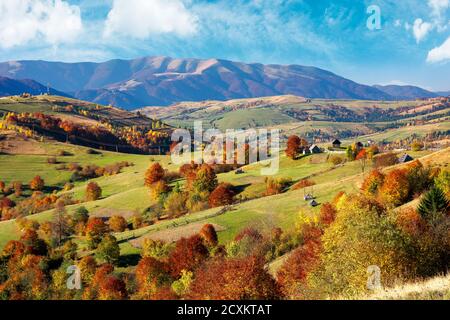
(129, 260)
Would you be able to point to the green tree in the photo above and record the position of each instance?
(108, 250)
(433, 204)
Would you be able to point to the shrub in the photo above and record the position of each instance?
(303, 184)
(336, 160)
(158, 189)
(155, 249)
(175, 204)
(327, 214)
(276, 185)
(416, 146)
(52, 160)
(93, 192)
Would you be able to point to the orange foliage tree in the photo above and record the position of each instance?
(395, 189)
(372, 183)
(187, 255)
(294, 146)
(37, 184)
(95, 230)
(154, 174)
(222, 195)
(209, 235)
(234, 279)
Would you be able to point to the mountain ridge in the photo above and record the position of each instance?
(163, 81)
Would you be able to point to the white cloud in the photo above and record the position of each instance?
(23, 21)
(141, 18)
(441, 53)
(421, 29)
(438, 6)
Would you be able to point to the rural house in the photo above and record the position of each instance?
(405, 158)
(337, 143)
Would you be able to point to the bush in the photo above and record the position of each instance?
(336, 160)
(52, 160)
(276, 186)
(155, 249)
(303, 184)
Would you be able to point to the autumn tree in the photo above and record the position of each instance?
(18, 188)
(154, 174)
(151, 274)
(209, 235)
(293, 273)
(108, 250)
(205, 179)
(327, 214)
(37, 184)
(294, 146)
(234, 279)
(395, 188)
(93, 192)
(188, 254)
(118, 224)
(60, 226)
(362, 158)
(373, 182)
(96, 228)
(112, 288)
(221, 196)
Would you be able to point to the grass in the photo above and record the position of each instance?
(437, 288)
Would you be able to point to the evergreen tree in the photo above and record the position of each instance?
(433, 204)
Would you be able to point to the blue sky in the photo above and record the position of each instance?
(411, 47)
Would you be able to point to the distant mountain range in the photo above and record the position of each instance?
(162, 81)
(11, 87)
